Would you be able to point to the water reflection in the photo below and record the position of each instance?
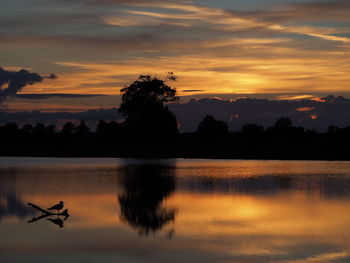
(321, 185)
(221, 211)
(11, 205)
(145, 187)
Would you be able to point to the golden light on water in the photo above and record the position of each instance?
(266, 211)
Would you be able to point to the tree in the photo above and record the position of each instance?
(252, 129)
(27, 129)
(9, 130)
(51, 130)
(105, 129)
(209, 126)
(39, 129)
(102, 128)
(68, 129)
(83, 129)
(283, 124)
(143, 104)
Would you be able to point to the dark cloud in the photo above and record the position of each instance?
(52, 76)
(59, 118)
(118, 2)
(16, 81)
(193, 90)
(335, 10)
(60, 95)
(12, 82)
(308, 113)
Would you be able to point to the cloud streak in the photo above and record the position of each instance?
(100, 46)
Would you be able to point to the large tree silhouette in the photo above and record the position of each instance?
(143, 104)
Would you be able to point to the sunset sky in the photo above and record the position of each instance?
(215, 47)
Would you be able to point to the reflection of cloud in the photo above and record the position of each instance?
(325, 257)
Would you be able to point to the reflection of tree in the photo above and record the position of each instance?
(145, 188)
(11, 205)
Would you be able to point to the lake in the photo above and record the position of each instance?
(176, 210)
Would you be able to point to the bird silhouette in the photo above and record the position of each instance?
(57, 207)
(57, 221)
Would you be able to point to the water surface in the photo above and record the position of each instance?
(124, 210)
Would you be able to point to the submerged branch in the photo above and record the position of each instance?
(40, 209)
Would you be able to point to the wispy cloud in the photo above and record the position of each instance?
(100, 45)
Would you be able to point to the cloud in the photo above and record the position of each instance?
(60, 95)
(12, 82)
(193, 90)
(16, 81)
(224, 19)
(51, 76)
(329, 110)
(217, 50)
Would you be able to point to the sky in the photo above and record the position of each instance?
(216, 47)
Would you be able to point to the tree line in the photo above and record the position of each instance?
(150, 129)
(208, 127)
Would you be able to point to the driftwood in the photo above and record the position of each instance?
(46, 213)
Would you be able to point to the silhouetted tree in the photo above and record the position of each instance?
(143, 104)
(115, 128)
(27, 129)
(102, 128)
(39, 129)
(82, 129)
(51, 130)
(111, 130)
(283, 124)
(251, 129)
(331, 129)
(68, 129)
(9, 130)
(209, 126)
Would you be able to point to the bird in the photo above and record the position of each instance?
(57, 207)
